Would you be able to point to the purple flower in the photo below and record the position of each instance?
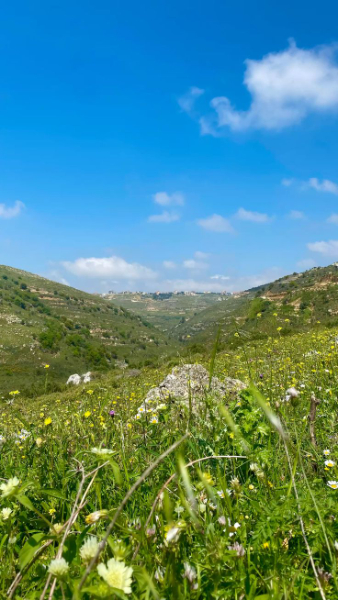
(112, 413)
(261, 376)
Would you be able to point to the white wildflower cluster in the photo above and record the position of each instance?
(58, 567)
(102, 452)
(22, 436)
(5, 514)
(89, 549)
(116, 574)
(290, 394)
(10, 487)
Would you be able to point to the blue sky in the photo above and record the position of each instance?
(168, 145)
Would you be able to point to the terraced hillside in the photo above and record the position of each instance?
(43, 322)
(296, 302)
(166, 311)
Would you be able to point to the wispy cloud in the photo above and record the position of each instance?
(164, 217)
(112, 266)
(255, 217)
(285, 88)
(329, 248)
(169, 264)
(323, 186)
(195, 265)
(216, 223)
(187, 101)
(9, 212)
(220, 277)
(333, 219)
(164, 199)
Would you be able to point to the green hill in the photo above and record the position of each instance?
(43, 322)
(297, 302)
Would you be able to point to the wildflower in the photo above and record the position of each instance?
(251, 487)
(38, 441)
(15, 393)
(330, 463)
(238, 548)
(102, 452)
(333, 484)
(58, 567)
(265, 545)
(2, 439)
(220, 493)
(292, 392)
(87, 414)
(326, 452)
(8, 489)
(95, 516)
(189, 572)
(46, 366)
(154, 420)
(6, 513)
(52, 511)
(173, 534)
(48, 421)
(112, 413)
(56, 528)
(159, 574)
(89, 549)
(116, 575)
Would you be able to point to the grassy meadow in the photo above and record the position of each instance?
(104, 497)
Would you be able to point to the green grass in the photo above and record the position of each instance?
(43, 322)
(223, 528)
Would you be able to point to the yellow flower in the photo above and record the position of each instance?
(15, 393)
(266, 545)
(46, 366)
(48, 421)
(87, 414)
(38, 441)
(279, 329)
(52, 511)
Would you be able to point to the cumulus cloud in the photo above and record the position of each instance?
(306, 263)
(329, 248)
(112, 266)
(216, 223)
(323, 186)
(187, 101)
(285, 88)
(194, 264)
(217, 285)
(164, 199)
(164, 217)
(9, 212)
(296, 215)
(255, 217)
(169, 264)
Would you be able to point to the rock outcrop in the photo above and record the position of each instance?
(76, 379)
(191, 380)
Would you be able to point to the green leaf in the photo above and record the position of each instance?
(53, 493)
(30, 548)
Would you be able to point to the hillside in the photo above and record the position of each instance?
(296, 302)
(166, 311)
(43, 322)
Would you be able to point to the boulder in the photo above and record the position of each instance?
(76, 379)
(192, 379)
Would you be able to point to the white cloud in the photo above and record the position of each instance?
(216, 223)
(194, 264)
(164, 199)
(164, 217)
(199, 254)
(333, 219)
(234, 283)
(112, 266)
(187, 101)
(296, 214)
(9, 212)
(285, 88)
(323, 186)
(221, 277)
(329, 248)
(255, 217)
(191, 285)
(306, 263)
(169, 264)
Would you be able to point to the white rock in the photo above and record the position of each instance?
(74, 379)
